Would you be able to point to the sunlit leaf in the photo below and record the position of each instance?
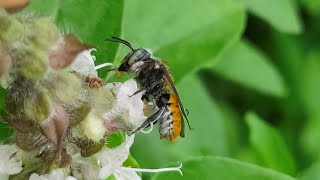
(245, 64)
(281, 14)
(186, 35)
(269, 145)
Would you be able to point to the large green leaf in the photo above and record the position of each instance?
(281, 14)
(269, 145)
(183, 33)
(207, 138)
(93, 21)
(207, 168)
(246, 65)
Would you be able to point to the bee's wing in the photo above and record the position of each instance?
(170, 82)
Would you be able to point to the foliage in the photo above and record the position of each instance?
(246, 70)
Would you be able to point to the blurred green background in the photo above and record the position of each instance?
(247, 70)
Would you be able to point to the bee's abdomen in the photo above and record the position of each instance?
(170, 124)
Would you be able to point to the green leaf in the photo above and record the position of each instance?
(115, 139)
(187, 34)
(5, 130)
(313, 6)
(221, 168)
(269, 145)
(111, 178)
(93, 21)
(309, 82)
(246, 65)
(131, 162)
(309, 92)
(311, 173)
(236, 130)
(2, 101)
(207, 138)
(280, 14)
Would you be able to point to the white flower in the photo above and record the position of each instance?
(111, 162)
(84, 63)
(9, 162)
(57, 174)
(128, 109)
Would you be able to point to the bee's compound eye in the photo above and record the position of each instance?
(139, 55)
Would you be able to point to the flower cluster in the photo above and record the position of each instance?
(61, 111)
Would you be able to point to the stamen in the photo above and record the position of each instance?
(148, 131)
(89, 56)
(156, 170)
(104, 65)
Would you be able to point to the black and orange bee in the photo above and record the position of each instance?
(155, 81)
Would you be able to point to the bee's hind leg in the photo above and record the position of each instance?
(151, 119)
(139, 91)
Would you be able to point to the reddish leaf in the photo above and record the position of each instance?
(65, 51)
(13, 5)
(55, 127)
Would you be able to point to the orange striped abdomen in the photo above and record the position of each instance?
(175, 117)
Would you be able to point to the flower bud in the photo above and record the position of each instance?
(46, 33)
(65, 87)
(32, 64)
(39, 107)
(78, 114)
(10, 29)
(101, 99)
(93, 127)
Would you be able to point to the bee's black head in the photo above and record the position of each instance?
(136, 55)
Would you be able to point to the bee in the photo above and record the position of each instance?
(156, 83)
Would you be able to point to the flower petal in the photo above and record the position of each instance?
(106, 171)
(126, 174)
(84, 63)
(9, 163)
(128, 108)
(57, 174)
(112, 159)
(36, 176)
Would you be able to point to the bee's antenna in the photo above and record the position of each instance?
(115, 39)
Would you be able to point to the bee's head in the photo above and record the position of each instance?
(133, 60)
